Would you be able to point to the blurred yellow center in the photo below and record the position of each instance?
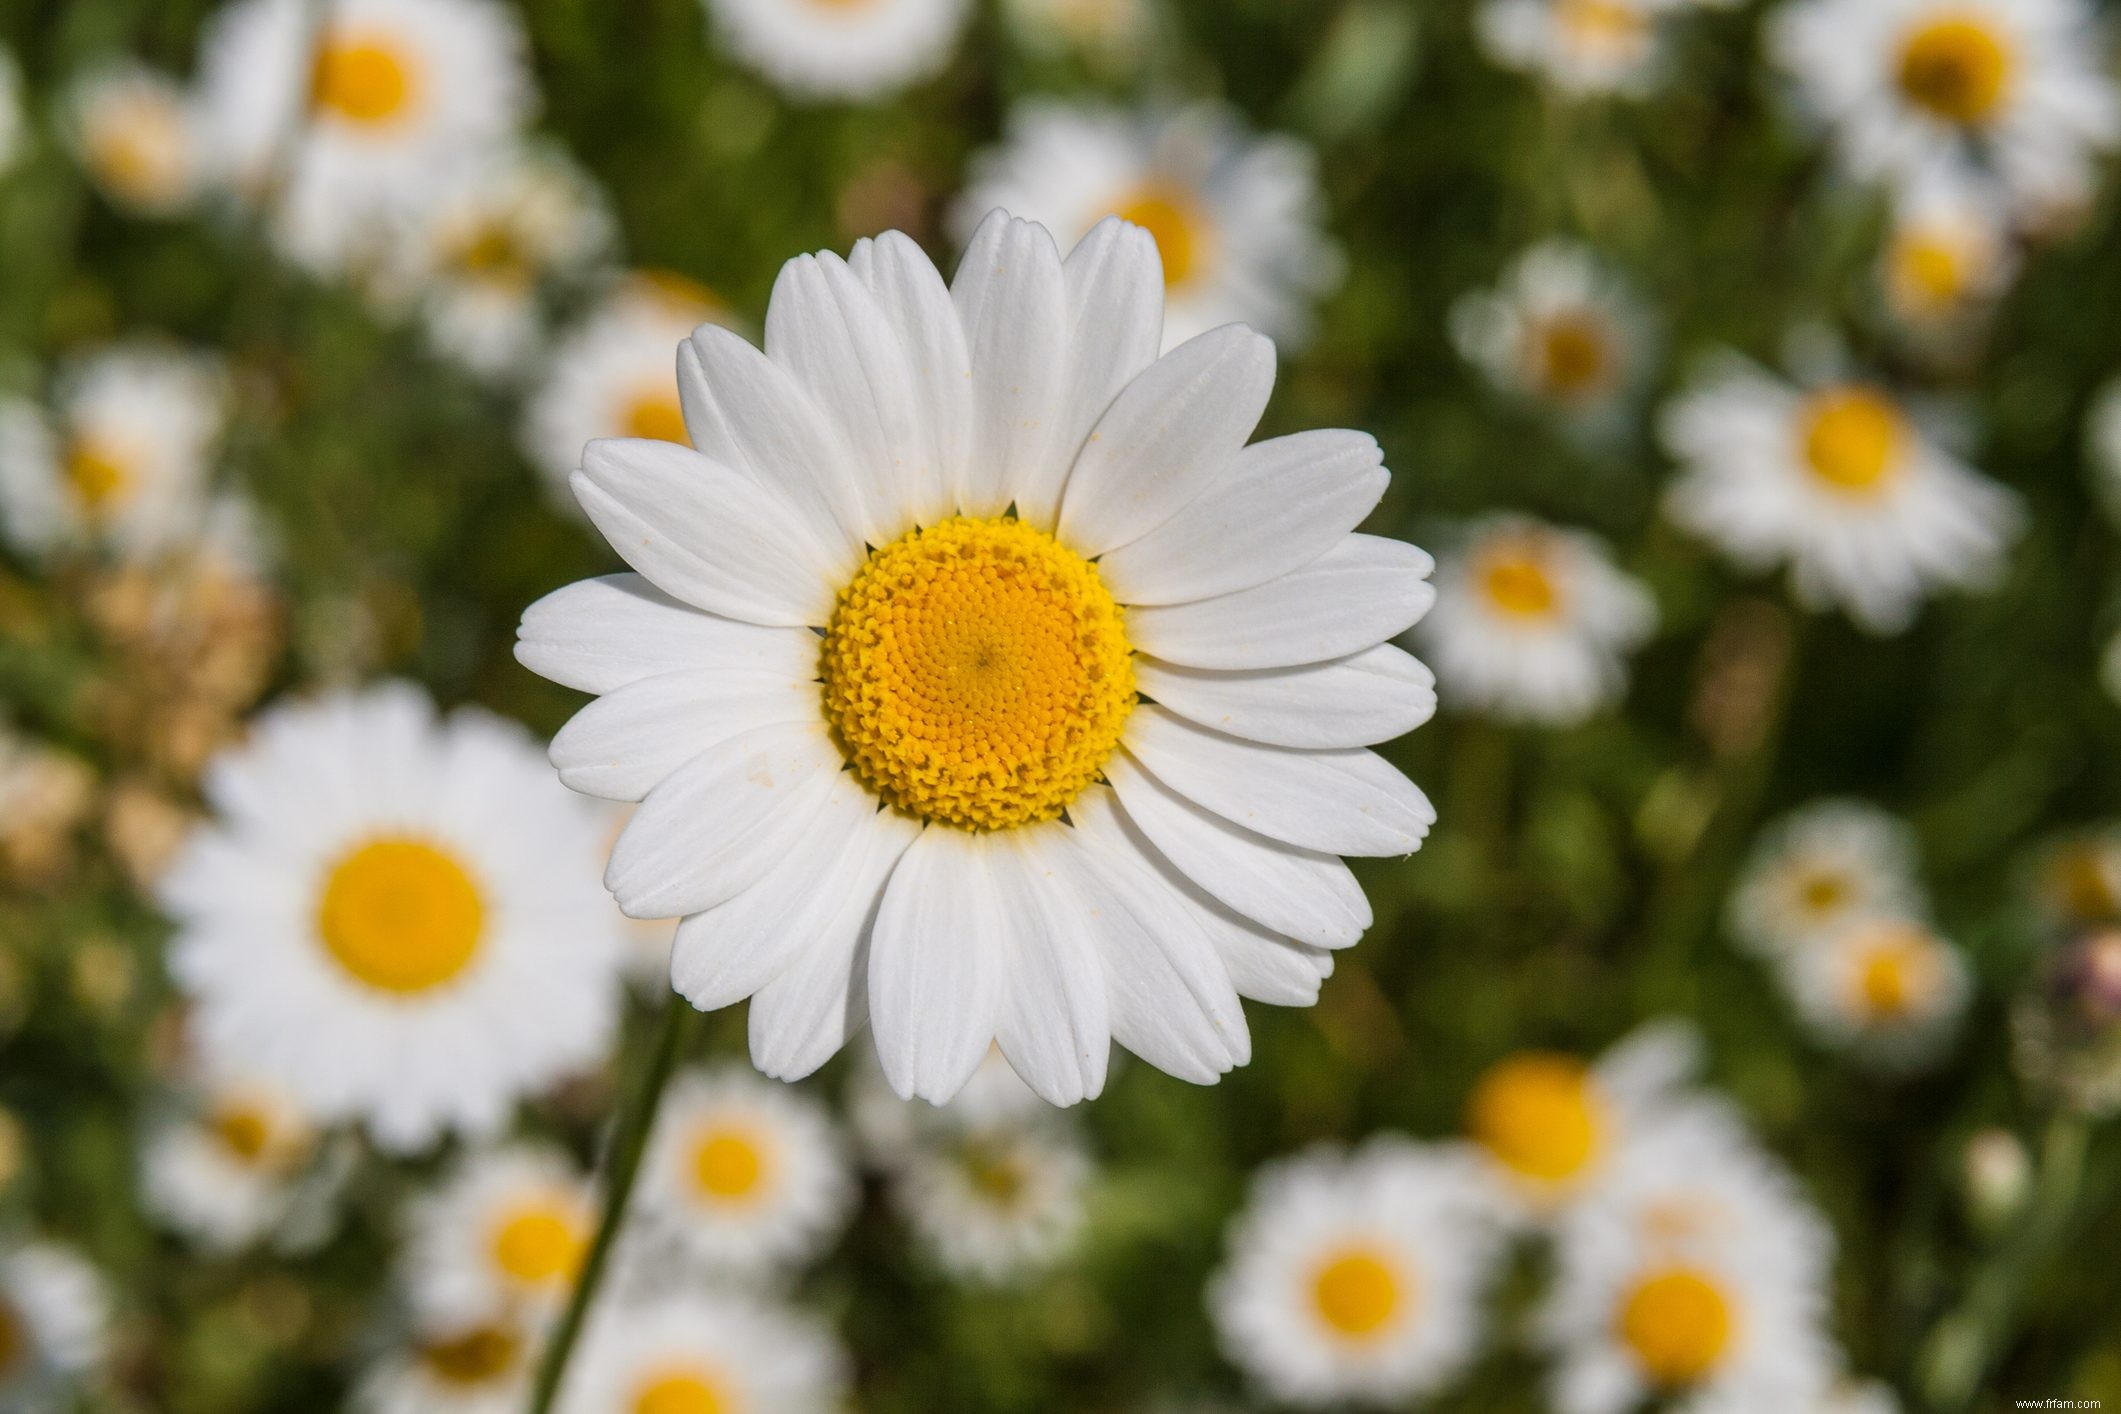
(1853, 439)
(493, 253)
(365, 79)
(1929, 270)
(1357, 1292)
(1957, 66)
(997, 1173)
(1678, 1323)
(728, 1164)
(977, 673)
(1572, 357)
(1514, 577)
(401, 915)
(1538, 1114)
(656, 413)
(244, 1130)
(137, 151)
(682, 1392)
(1894, 974)
(539, 1243)
(1822, 891)
(2082, 883)
(1602, 27)
(1172, 217)
(99, 474)
(479, 1356)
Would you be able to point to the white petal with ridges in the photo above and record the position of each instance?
(915, 300)
(1367, 697)
(937, 973)
(620, 746)
(1055, 1027)
(598, 635)
(1012, 298)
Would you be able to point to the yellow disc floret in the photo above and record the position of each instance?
(401, 915)
(977, 673)
(539, 1243)
(1357, 1292)
(1678, 1323)
(728, 1164)
(1957, 67)
(682, 1392)
(1540, 1115)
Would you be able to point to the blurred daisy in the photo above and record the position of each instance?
(483, 1367)
(54, 1311)
(1818, 869)
(1560, 329)
(1698, 1276)
(745, 1175)
(1948, 256)
(2077, 879)
(1580, 47)
(381, 106)
(1238, 219)
(1839, 482)
(891, 1130)
(1359, 1276)
(1889, 988)
(613, 375)
(2009, 88)
(505, 1232)
(841, 49)
(395, 914)
(1110, 33)
(124, 459)
(848, 522)
(239, 1163)
(690, 1353)
(132, 131)
(1533, 622)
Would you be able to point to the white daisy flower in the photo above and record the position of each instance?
(1560, 329)
(1839, 482)
(1698, 1276)
(1357, 1276)
(1110, 33)
(2011, 88)
(1063, 866)
(1949, 254)
(132, 131)
(841, 49)
(483, 1367)
(396, 914)
(54, 1313)
(1582, 48)
(506, 1231)
(745, 1175)
(645, 956)
(1533, 622)
(694, 1352)
(1820, 868)
(1238, 219)
(612, 374)
(386, 102)
(239, 1163)
(1888, 988)
(122, 461)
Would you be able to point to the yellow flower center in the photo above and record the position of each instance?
(1514, 577)
(1853, 439)
(1957, 67)
(100, 475)
(977, 673)
(1678, 1323)
(13, 1339)
(1571, 357)
(1358, 1292)
(244, 1130)
(478, 1356)
(493, 253)
(1929, 270)
(365, 79)
(1602, 28)
(539, 1243)
(1538, 1114)
(1895, 972)
(997, 1173)
(728, 1164)
(655, 413)
(137, 150)
(401, 915)
(2082, 883)
(1173, 219)
(1822, 892)
(683, 1392)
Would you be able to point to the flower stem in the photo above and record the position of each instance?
(622, 1163)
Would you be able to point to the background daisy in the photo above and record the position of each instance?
(133, 132)
(840, 49)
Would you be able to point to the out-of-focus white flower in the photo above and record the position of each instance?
(503, 1234)
(1838, 482)
(1110, 33)
(479, 1368)
(1560, 329)
(1949, 254)
(133, 132)
(1533, 622)
(1818, 869)
(841, 49)
(239, 1163)
(1887, 988)
(707, 1350)
(1358, 1276)
(1238, 219)
(1580, 47)
(54, 1313)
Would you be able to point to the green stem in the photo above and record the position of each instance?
(622, 1163)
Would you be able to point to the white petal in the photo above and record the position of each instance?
(703, 533)
(1356, 595)
(1055, 1027)
(1167, 435)
(1368, 697)
(601, 634)
(937, 972)
(1302, 893)
(1012, 299)
(1282, 504)
(721, 820)
(622, 744)
(1339, 802)
(917, 304)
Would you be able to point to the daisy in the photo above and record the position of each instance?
(1948, 256)
(2078, 878)
(1533, 622)
(2011, 89)
(131, 129)
(612, 375)
(1238, 219)
(745, 1175)
(396, 914)
(54, 1311)
(238, 1163)
(995, 1204)
(1887, 987)
(1820, 868)
(1357, 1276)
(1582, 48)
(505, 1232)
(841, 49)
(1698, 1278)
(835, 611)
(386, 102)
(1111, 33)
(122, 460)
(693, 1352)
(1560, 329)
(1839, 482)
(480, 1367)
